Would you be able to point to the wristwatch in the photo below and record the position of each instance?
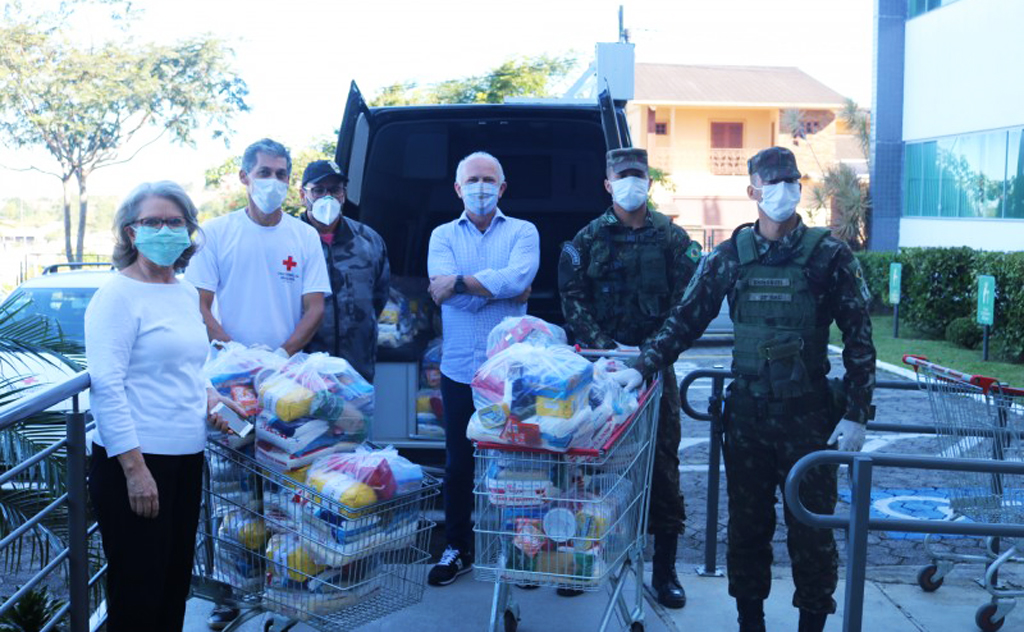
(460, 285)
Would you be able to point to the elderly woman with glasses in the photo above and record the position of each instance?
(146, 343)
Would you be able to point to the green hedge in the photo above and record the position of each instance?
(941, 285)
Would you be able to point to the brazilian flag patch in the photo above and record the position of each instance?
(693, 252)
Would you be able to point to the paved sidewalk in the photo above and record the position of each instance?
(893, 603)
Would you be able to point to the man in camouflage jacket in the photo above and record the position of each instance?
(786, 283)
(357, 265)
(618, 278)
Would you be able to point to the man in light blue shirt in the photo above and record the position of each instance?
(481, 267)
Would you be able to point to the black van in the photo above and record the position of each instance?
(401, 165)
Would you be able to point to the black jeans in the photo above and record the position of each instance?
(458, 481)
(149, 559)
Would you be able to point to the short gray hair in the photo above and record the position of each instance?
(264, 146)
(478, 154)
(127, 214)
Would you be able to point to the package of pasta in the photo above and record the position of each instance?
(528, 329)
(233, 369)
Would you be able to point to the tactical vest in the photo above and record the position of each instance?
(625, 263)
(781, 347)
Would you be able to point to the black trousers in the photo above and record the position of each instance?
(458, 480)
(149, 559)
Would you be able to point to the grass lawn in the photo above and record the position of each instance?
(891, 350)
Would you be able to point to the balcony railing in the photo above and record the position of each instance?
(728, 161)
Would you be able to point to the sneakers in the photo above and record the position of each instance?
(221, 617)
(453, 563)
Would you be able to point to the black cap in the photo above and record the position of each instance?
(774, 164)
(320, 169)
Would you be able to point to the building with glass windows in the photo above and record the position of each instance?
(948, 147)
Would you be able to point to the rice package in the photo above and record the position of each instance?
(313, 405)
(533, 396)
(395, 325)
(238, 559)
(528, 329)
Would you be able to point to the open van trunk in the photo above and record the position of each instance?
(401, 164)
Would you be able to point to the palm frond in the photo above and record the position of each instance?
(33, 335)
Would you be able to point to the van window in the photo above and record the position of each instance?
(555, 173)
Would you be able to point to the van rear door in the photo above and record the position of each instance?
(350, 154)
(616, 134)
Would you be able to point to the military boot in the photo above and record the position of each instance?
(664, 580)
(812, 621)
(751, 615)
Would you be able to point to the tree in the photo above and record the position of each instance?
(516, 77)
(85, 104)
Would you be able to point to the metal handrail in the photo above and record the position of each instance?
(76, 553)
(716, 410)
(858, 522)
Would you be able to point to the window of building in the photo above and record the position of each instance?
(661, 129)
(968, 175)
(918, 7)
(727, 135)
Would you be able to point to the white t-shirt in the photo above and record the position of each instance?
(146, 344)
(259, 274)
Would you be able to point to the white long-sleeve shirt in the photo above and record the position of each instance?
(504, 259)
(146, 344)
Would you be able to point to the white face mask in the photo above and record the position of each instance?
(326, 210)
(268, 193)
(779, 200)
(480, 197)
(630, 193)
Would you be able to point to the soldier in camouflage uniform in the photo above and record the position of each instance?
(357, 264)
(786, 283)
(618, 278)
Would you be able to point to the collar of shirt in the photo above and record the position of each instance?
(788, 241)
(464, 219)
(609, 218)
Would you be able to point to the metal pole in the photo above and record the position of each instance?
(896, 320)
(857, 544)
(984, 343)
(78, 551)
(710, 568)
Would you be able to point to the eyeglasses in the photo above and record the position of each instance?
(319, 191)
(159, 222)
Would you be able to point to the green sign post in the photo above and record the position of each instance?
(986, 308)
(895, 280)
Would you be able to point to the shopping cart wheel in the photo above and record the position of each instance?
(926, 578)
(983, 618)
(511, 621)
(637, 626)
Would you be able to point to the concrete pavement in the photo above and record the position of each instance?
(893, 603)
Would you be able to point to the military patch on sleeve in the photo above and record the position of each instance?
(862, 284)
(693, 252)
(573, 254)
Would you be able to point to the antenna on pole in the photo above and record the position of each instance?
(623, 33)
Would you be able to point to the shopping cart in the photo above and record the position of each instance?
(573, 520)
(270, 544)
(976, 417)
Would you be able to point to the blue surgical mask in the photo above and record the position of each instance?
(779, 200)
(480, 197)
(163, 246)
(630, 193)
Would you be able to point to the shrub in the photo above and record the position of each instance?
(964, 332)
(876, 274)
(938, 287)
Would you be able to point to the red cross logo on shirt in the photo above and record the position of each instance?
(289, 263)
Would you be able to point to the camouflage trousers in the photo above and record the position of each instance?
(762, 443)
(667, 512)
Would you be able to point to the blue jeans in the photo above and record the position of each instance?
(458, 482)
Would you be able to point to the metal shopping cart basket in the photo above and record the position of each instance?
(976, 417)
(268, 543)
(572, 520)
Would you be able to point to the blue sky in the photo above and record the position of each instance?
(299, 57)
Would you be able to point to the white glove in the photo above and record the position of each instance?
(629, 379)
(281, 352)
(849, 434)
(627, 348)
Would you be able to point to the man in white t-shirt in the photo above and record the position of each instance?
(264, 267)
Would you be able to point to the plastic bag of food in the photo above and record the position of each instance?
(233, 369)
(292, 564)
(385, 471)
(430, 366)
(528, 329)
(395, 325)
